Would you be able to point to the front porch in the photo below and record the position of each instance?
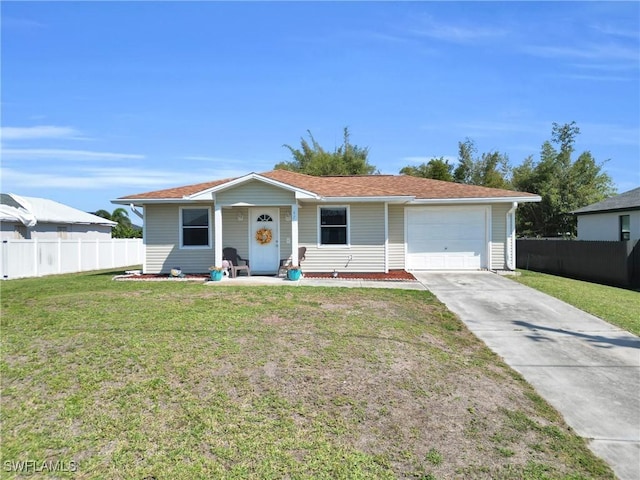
(264, 235)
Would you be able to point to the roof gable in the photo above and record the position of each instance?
(251, 177)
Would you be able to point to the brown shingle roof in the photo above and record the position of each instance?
(353, 186)
(388, 185)
(176, 192)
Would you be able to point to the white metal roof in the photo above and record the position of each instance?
(32, 210)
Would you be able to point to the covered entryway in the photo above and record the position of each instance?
(264, 240)
(447, 238)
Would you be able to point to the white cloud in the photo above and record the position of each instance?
(100, 178)
(483, 129)
(599, 52)
(40, 131)
(204, 158)
(608, 134)
(64, 154)
(456, 33)
(597, 78)
(615, 30)
(16, 22)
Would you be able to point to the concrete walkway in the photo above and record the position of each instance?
(586, 368)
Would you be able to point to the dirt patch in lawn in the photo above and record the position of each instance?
(401, 404)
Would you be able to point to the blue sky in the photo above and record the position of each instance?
(105, 99)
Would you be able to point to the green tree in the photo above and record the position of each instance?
(436, 168)
(466, 151)
(489, 170)
(124, 228)
(312, 159)
(564, 185)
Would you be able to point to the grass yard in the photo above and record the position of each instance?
(617, 306)
(176, 380)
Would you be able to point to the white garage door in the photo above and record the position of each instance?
(446, 238)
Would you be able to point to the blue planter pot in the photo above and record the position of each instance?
(294, 274)
(216, 276)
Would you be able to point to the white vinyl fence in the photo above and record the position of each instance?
(38, 257)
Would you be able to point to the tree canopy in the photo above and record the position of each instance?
(563, 183)
(490, 169)
(124, 229)
(436, 168)
(312, 159)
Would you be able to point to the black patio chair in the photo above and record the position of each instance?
(231, 255)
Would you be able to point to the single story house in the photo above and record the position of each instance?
(614, 219)
(369, 223)
(33, 217)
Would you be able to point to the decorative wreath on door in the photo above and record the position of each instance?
(264, 236)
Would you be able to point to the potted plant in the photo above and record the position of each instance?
(294, 272)
(216, 273)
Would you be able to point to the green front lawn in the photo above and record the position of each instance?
(176, 380)
(617, 306)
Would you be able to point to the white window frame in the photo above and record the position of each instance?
(622, 231)
(209, 229)
(348, 227)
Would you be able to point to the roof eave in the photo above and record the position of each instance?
(527, 199)
(608, 210)
(143, 201)
(388, 199)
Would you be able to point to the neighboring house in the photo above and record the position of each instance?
(32, 217)
(372, 223)
(614, 219)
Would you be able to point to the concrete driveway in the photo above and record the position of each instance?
(586, 368)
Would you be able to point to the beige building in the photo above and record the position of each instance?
(371, 223)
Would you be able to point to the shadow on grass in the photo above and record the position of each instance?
(108, 273)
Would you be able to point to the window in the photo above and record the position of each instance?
(194, 227)
(625, 227)
(334, 226)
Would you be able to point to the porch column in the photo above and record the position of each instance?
(217, 235)
(294, 234)
(511, 237)
(386, 237)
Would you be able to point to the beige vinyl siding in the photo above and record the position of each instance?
(499, 235)
(366, 229)
(255, 193)
(235, 233)
(162, 242)
(396, 237)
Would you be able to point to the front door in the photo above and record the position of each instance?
(264, 240)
